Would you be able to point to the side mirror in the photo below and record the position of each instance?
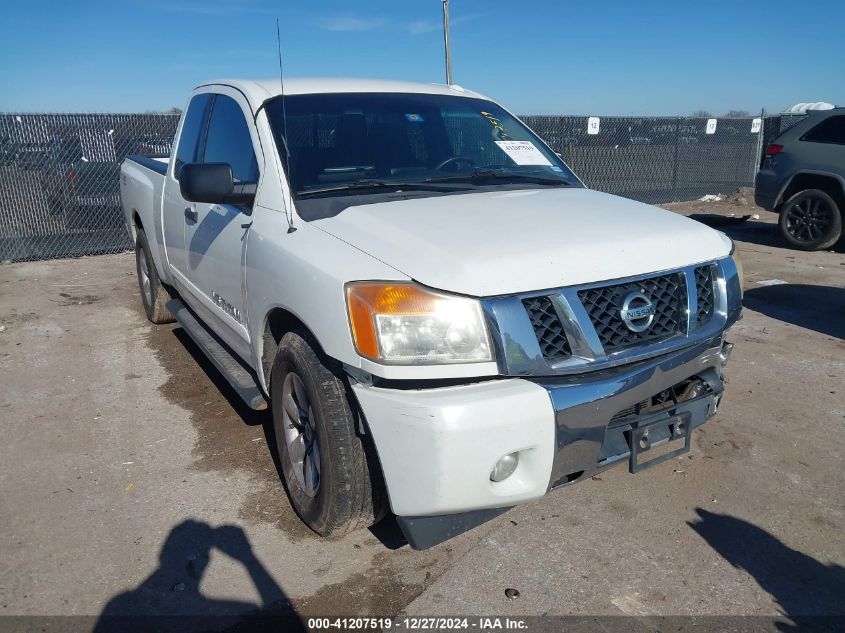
(213, 183)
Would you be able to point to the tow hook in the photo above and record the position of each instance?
(725, 352)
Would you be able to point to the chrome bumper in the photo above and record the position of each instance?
(584, 406)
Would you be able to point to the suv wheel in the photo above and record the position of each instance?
(811, 220)
(332, 478)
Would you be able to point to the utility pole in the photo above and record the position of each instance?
(446, 42)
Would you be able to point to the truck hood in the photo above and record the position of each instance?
(503, 242)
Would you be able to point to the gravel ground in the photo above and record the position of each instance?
(133, 481)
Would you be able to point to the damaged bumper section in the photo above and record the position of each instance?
(454, 457)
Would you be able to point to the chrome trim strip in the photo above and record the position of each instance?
(692, 298)
(518, 351)
(584, 341)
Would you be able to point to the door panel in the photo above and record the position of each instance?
(173, 224)
(176, 211)
(216, 242)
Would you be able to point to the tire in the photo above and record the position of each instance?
(348, 490)
(811, 220)
(154, 296)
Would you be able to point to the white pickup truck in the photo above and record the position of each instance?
(445, 321)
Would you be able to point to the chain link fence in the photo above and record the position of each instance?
(656, 159)
(60, 197)
(59, 186)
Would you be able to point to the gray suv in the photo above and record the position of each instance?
(803, 180)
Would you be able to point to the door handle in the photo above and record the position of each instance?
(191, 214)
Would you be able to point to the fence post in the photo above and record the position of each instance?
(675, 159)
(760, 133)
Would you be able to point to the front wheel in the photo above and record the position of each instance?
(332, 479)
(811, 220)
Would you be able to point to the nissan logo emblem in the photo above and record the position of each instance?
(637, 312)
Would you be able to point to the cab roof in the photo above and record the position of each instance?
(257, 91)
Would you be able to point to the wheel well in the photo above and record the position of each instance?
(278, 323)
(136, 221)
(828, 184)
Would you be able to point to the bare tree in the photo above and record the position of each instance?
(737, 114)
(704, 114)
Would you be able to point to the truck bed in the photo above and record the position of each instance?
(156, 162)
(141, 187)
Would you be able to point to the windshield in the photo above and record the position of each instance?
(347, 142)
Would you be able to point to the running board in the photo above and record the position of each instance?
(234, 371)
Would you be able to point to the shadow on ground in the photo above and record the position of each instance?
(744, 229)
(751, 231)
(170, 598)
(819, 308)
(809, 592)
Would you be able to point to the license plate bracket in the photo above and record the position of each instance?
(680, 428)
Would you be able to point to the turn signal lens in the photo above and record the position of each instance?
(402, 323)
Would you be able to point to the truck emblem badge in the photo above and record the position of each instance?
(227, 307)
(637, 312)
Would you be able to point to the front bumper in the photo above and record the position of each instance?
(588, 437)
(438, 446)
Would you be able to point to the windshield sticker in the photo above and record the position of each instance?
(498, 128)
(414, 118)
(523, 153)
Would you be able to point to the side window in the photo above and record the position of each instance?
(831, 130)
(228, 140)
(189, 140)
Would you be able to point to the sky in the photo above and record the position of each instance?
(600, 57)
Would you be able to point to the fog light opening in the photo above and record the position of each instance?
(505, 467)
(725, 353)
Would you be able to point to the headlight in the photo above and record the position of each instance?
(404, 324)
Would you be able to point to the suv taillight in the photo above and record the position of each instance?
(773, 150)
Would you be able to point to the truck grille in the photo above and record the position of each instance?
(604, 304)
(706, 294)
(579, 328)
(548, 328)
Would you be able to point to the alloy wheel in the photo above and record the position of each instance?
(809, 219)
(300, 432)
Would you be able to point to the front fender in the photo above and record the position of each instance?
(303, 272)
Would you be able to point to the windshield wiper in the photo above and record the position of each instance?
(371, 184)
(484, 175)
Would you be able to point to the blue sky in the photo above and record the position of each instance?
(536, 57)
